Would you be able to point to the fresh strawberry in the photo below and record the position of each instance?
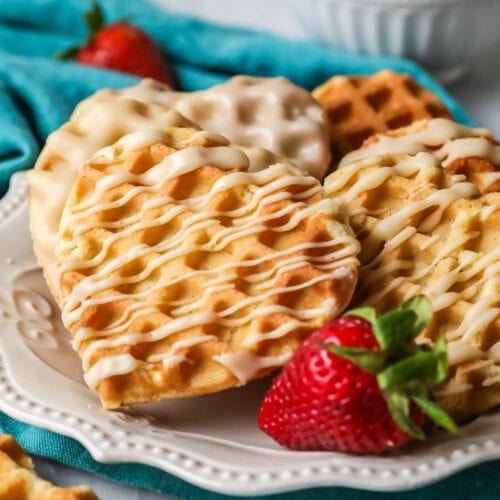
(359, 384)
(121, 47)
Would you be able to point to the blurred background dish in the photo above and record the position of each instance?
(442, 35)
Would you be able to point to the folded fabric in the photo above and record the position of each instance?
(37, 94)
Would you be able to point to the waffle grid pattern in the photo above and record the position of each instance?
(360, 106)
(424, 231)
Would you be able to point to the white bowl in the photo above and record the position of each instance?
(442, 35)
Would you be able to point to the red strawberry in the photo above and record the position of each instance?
(121, 47)
(359, 384)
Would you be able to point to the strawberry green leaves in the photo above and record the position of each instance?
(399, 325)
(370, 361)
(67, 54)
(404, 323)
(399, 407)
(435, 413)
(94, 19)
(429, 366)
(405, 371)
(95, 22)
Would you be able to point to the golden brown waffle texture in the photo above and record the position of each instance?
(361, 106)
(425, 231)
(18, 479)
(472, 152)
(256, 260)
(184, 273)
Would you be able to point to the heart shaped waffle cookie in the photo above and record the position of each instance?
(425, 231)
(183, 273)
(269, 113)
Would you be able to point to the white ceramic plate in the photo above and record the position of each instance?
(211, 441)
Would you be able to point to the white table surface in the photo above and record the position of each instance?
(479, 94)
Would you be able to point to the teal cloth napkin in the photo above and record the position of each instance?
(38, 94)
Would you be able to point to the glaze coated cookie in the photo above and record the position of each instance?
(181, 272)
(425, 231)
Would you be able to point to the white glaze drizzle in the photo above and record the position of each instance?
(338, 255)
(446, 140)
(390, 231)
(245, 365)
(454, 141)
(270, 113)
(258, 113)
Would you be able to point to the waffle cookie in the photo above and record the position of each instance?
(361, 106)
(269, 113)
(92, 127)
(472, 152)
(271, 116)
(18, 479)
(425, 231)
(183, 273)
